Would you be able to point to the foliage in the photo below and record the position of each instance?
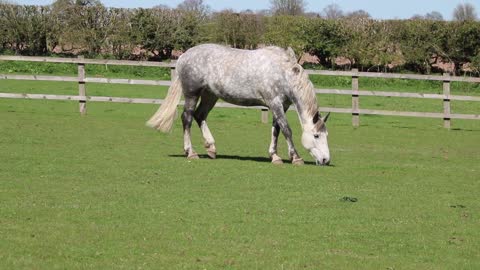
(23, 28)
(287, 31)
(465, 12)
(324, 38)
(419, 43)
(462, 43)
(333, 12)
(288, 7)
(88, 27)
(359, 14)
(239, 30)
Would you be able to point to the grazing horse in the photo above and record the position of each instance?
(267, 77)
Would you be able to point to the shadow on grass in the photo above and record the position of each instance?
(246, 158)
(462, 129)
(419, 128)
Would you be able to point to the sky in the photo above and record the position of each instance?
(379, 9)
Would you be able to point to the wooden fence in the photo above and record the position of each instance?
(355, 93)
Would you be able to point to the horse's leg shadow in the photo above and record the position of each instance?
(241, 158)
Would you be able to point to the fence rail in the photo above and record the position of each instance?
(392, 76)
(355, 110)
(84, 61)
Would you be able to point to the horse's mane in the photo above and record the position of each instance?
(301, 84)
(305, 91)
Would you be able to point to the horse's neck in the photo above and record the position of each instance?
(305, 101)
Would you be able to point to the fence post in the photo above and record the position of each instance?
(355, 99)
(446, 100)
(264, 116)
(81, 87)
(173, 70)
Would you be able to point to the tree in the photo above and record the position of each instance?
(88, 3)
(239, 30)
(79, 24)
(324, 39)
(194, 6)
(155, 30)
(417, 17)
(465, 12)
(288, 7)
(119, 42)
(333, 12)
(461, 42)
(434, 16)
(192, 15)
(370, 44)
(287, 31)
(420, 42)
(476, 63)
(359, 14)
(23, 28)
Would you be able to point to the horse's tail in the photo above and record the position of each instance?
(163, 119)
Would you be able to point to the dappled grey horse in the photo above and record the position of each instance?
(267, 77)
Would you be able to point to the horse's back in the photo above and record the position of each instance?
(238, 76)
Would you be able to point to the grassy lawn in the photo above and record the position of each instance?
(63, 69)
(105, 192)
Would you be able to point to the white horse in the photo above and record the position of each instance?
(267, 77)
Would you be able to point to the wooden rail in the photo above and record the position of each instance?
(228, 105)
(81, 60)
(355, 110)
(391, 76)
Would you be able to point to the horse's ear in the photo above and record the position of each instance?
(297, 69)
(291, 54)
(325, 119)
(316, 117)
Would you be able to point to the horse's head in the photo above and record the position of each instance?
(314, 139)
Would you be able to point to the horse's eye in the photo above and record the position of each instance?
(316, 136)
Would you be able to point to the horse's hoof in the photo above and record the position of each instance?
(193, 156)
(277, 160)
(212, 155)
(298, 162)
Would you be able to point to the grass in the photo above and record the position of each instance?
(63, 69)
(93, 89)
(104, 192)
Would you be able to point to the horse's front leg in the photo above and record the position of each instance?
(281, 119)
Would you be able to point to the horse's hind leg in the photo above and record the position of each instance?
(206, 104)
(187, 118)
(272, 150)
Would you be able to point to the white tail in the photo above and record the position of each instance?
(163, 119)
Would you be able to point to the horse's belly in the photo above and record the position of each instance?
(241, 96)
(243, 101)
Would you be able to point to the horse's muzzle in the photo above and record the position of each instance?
(324, 162)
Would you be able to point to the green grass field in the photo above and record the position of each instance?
(104, 192)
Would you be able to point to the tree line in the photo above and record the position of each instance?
(89, 28)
